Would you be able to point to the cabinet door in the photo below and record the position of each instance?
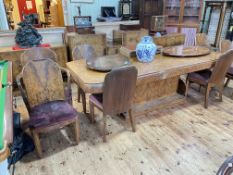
(149, 8)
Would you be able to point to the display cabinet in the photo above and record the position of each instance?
(183, 13)
(217, 20)
(149, 8)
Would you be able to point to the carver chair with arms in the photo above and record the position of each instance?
(226, 45)
(47, 98)
(83, 52)
(118, 90)
(210, 79)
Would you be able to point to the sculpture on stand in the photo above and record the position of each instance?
(26, 35)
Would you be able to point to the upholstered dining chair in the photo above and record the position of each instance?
(118, 90)
(227, 167)
(37, 53)
(214, 78)
(201, 40)
(47, 98)
(226, 45)
(83, 52)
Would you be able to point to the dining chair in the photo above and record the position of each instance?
(36, 53)
(118, 90)
(227, 167)
(86, 52)
(226, 45)
(214, 78)
(201, 40)
(47, 98)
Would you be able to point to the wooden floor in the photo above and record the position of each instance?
(182, 138)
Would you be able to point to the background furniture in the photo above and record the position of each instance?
(48, 101)
(97, 41)
(216, 20)
(83, 25)
(183, 16)
(210, 79)
(183, 13)
(149, 8)
(118, 91)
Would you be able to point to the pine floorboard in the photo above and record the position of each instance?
(178, 138)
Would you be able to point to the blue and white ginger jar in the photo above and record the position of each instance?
(146, 49)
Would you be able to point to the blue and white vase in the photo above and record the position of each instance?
(146, 49)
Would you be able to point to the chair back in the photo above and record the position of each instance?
(42, 81)
(225, 45)
(221, 67)
(118, 90)
(84, 51)
(201, 40)
(226, 168)
(36, 53)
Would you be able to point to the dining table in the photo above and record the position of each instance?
(157, 79)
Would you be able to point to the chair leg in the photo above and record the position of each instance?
(187, 87)
(77, 130)
(207, 93)
(92, 112)
(220, 93)
(104, 127)
(227, 82)
(132, 120)
(36, 139)
(84, 101)
(79, 94)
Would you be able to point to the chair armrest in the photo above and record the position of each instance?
(19, 79)
(68, 91)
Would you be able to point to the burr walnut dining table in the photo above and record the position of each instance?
(156, 79)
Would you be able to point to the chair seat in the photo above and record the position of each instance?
(97, 99)
(52, 113)
(201, 77)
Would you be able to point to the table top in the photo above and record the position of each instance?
(162, 67)
(184, 51)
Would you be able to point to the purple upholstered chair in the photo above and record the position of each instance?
(118, 91)
(215, 78)
(47, 99)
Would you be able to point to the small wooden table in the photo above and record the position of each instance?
(155, 80)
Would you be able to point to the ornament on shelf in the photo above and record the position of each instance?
(26, 35)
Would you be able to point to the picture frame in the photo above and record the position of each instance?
(82, 1)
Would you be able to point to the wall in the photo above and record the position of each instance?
(88, 9)
(3, 18)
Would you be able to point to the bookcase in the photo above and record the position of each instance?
(183, 13)
(217, 20)
(147, 9)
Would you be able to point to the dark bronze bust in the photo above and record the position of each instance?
(26, 35)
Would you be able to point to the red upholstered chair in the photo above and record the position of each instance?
(118, 90)
(84, 51)
(227, 167)
(214, 78)
(48, 100)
